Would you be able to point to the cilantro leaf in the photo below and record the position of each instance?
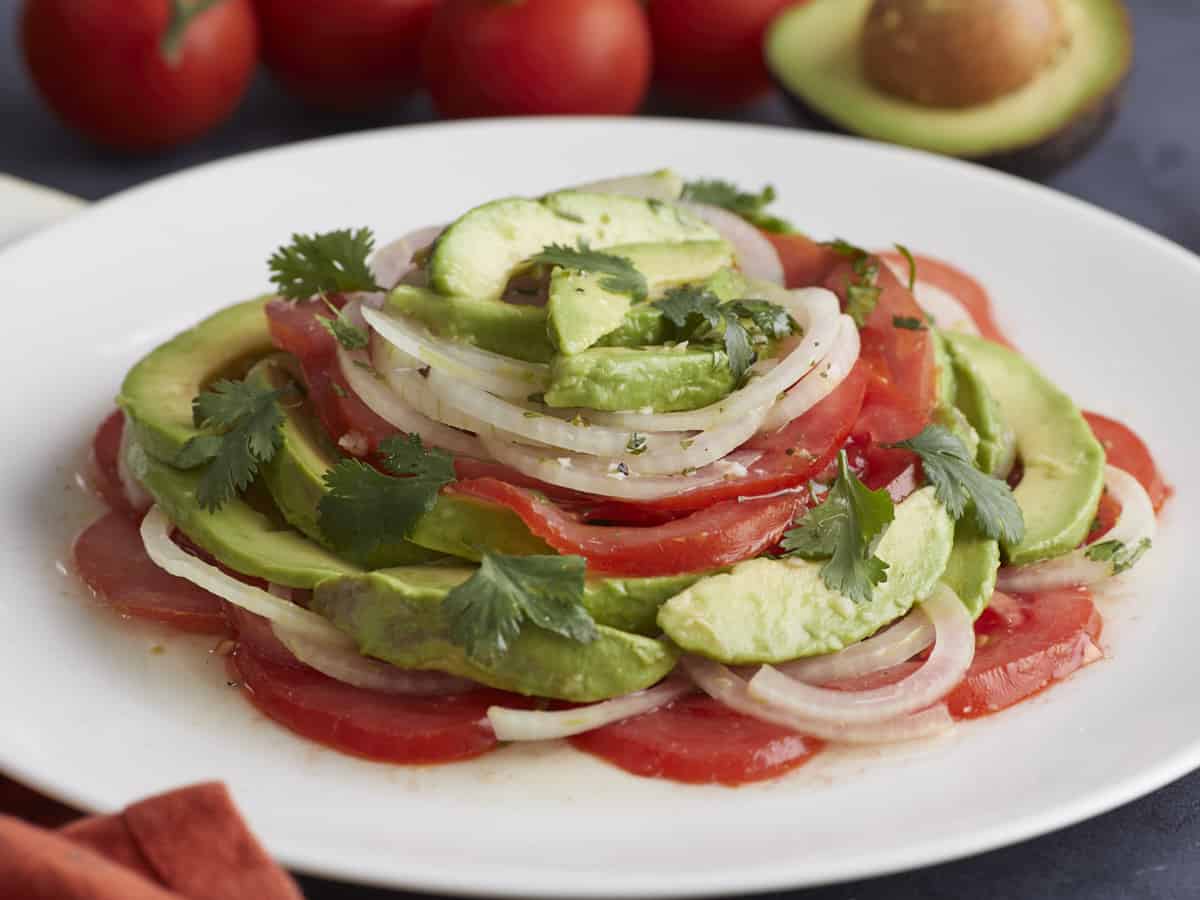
(770, 318)
(738, 347)
(364, 510)
(845, 529)
(488, 611)
(949, 468)
(912, 265)
(637, 444)
(911, 323)
(850, 251)
(316, 264)
(1122, 556)
(751, 207)
(345, 332)
(243, 424)
(620, 274)
(690, 308)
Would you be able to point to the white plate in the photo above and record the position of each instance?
(91, 715)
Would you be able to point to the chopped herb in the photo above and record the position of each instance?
(770, 318)
(338, 389)
(686, 443)
(345, 332)
(620, 275)
(488, 611)
(364, 509)
(960, 486)
(850, 251)
(912, 265)
(845, 529)
(313, 265)
(530, 414)
(911, 323)
(367, 367)
(637, 444)
(1122, 556)
(751, 207)
(243, 424)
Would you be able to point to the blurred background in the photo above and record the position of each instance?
(102, 95)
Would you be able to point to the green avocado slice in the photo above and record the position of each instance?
(1063, 463)
(396, 615)
(661, 379)
(997, 443)
(972, 568)
(505, 328)
(774, 610)
(813, 51)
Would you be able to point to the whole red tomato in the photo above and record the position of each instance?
(140, 74)
(710, 52)
(344, 54)
(523, 57)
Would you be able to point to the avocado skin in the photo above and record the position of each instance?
(1063, 463)
(1039, 158)
(397, 616)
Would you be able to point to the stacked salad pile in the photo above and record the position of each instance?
(633, 463)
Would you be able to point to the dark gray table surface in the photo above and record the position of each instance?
(1147, 169)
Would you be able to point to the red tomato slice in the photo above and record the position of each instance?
(699, 741)
(720, 535)
(806, 263)
(903, 390)
(105, 477)
(377, 726)
(1127, 451)
(962, 287)
(112, 560)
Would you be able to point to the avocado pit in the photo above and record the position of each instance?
(959, 53)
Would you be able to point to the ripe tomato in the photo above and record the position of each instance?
(1125, 450)
(132, 75)
(710, 52)
(484, 58)
(344, 54)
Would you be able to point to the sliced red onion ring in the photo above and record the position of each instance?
(724, 686)
(536, 725)
(756, 256)
(1133, 530)
(946, 310)
(897, 643)
(492, 372)
(953, 650)
(820, 383)
(347, 665)
(391, 262)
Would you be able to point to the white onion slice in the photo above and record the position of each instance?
(536, 725)
(649, 187)
(391, 262)
(756, 256)
(380, 399)
(594, 475)
(169, 556)
(819, 384)
(492, 372)
(815, 310)
(723, 685)
(1135, 525)
(347, 665)
(946, 310)
(404, 379)
(953, 650)
(897, 643)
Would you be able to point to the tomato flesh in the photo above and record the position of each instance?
(962, 287)
(1125, 450)
(111, 559)
(383, 727)
(105, 472)
(699, 741)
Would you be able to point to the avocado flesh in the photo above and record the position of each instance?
(505, 328)
(476, 255)
(773, 610)
(396, 616)
(997, 443)
(813, 52)
(157, 393)
(1063, 463)
(972, 568)
(946, 413)
(581, 309)
(661, 379)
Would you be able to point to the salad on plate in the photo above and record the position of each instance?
(635, 464)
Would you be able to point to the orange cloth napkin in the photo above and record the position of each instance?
(190, 843)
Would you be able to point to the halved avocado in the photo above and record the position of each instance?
(829, 56)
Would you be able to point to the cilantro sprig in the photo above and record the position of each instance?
(241, 429)
(845, 529)
(313, 265)
(751, 207)
(1120, 555)
(489, 610)
(620, 275)
(961, 487)
(344, 331)
(697, 313)
(363, 509)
